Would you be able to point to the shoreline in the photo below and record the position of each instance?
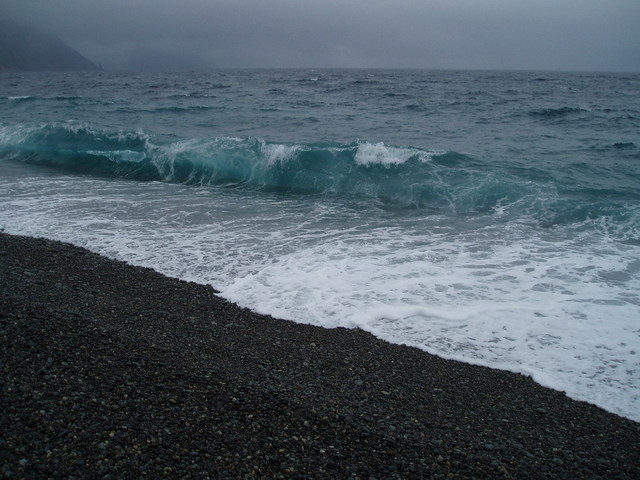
(115, 370)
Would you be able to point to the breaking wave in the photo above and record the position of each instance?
(392, 176)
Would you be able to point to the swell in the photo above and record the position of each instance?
(556, 112)
(389, 176)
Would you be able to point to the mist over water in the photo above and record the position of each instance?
(491, 217)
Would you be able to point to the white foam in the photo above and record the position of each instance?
(528, 310)
(15, 134)
(275, 153)
(380, 154)
(120, 155)
(563, 309)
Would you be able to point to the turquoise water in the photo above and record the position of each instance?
(490, 217)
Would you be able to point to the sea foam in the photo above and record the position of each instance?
(562, 309)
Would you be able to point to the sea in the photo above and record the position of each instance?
(491, 217)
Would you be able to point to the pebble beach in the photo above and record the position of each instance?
(115, 371)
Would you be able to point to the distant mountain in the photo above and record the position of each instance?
(27, 49)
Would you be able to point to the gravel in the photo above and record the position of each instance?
(113, 371)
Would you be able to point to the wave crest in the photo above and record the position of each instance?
(390, 176)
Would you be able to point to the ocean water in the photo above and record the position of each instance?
(489, 217)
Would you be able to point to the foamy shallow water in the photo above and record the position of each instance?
(560, 306)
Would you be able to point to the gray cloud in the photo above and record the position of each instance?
(506, 34)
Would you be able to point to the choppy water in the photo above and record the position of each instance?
(490, 217)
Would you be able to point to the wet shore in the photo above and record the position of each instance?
(115, 371)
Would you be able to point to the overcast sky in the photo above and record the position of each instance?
(485, 34)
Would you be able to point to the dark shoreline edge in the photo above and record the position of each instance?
(114, 371)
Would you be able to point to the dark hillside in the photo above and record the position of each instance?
(28, 49)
